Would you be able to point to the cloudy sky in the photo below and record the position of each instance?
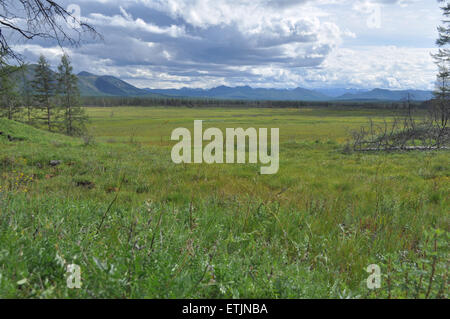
(261, 43)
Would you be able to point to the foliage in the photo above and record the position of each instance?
(142, 227)
(44, 92)
(114, 101)
(9, 97)
(419, 274)
(69, 97)
(48, 100)
(440, 109)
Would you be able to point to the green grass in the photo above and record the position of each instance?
(219, 231)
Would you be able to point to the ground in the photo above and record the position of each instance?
(140, 226)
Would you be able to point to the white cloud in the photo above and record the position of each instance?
(381, 66)
(265, 43)
(126, 21)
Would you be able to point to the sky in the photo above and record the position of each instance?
(261, 43)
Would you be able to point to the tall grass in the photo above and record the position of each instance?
(141, 227)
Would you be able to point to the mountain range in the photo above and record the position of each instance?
(106, 85)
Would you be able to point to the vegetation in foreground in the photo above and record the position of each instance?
(141, 227)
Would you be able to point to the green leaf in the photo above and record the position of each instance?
(22, 282)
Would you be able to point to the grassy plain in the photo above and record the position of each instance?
(140, 226)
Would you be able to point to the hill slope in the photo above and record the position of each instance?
(94, 85)
(90, 84)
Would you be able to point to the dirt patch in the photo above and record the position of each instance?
(85, 184)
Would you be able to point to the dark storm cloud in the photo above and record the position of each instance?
(149, 38)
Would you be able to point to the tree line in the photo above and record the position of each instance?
(47, 100)
(111, 101)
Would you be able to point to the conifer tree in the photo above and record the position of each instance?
(441, 109)
(69, 95)
(44, 91)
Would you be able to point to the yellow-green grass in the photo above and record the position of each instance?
(153, 125)
(225, 231)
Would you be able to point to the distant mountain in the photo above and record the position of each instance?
(95, 85)
(337, 92)
(298, 94)
(26, 74)
(106, 85)
(90, 84)
(388, 95)
(245, 93)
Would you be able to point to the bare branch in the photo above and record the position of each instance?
(30, 19)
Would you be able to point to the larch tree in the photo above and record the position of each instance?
(441, 105)
(26, 20)
(74, 118)
(43, 92)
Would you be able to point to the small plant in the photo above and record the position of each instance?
(88, 139)
(16, 182)
(421, 275)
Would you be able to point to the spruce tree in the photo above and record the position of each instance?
(69, 96)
